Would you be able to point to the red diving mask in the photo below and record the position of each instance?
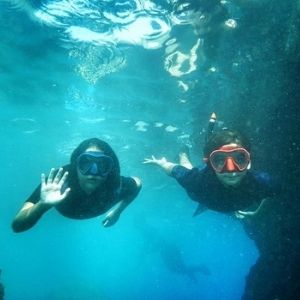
(229, 158)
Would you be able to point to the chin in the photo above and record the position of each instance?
(92, 184)
(230, 179)
(232, 182)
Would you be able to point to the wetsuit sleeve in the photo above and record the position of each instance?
(35, 196)
(128, 189)
(179, 172)
(185, 177)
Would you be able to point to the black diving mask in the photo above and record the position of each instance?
(95, 163)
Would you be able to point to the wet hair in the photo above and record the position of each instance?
(113, 179)
(224, 137)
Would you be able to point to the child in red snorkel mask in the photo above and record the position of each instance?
(227, 153)
(226, 183)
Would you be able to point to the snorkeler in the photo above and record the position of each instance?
(226, 183)
(169, 251)
(89, 186)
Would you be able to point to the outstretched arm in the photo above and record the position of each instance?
(113, 215)
(167, 166)
(51, 195)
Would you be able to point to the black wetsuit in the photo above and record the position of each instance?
(203, 186)
(79, 205)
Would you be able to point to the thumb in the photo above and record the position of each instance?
(65, 193)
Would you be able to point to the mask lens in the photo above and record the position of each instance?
(240, 158)
(218, 160)
(104, 164)
(84, 163)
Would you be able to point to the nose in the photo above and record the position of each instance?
(94, 169)
(229, 165)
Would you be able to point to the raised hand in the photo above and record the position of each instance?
(163, 163)
(155, 161)
(51, 188)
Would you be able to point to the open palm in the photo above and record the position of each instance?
(51, 188)
(155, 161)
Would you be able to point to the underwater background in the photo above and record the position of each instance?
(145, 77)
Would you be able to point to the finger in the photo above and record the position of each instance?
(51, 174)
(43, 180)
(58, 175)
(105, 223)
(63, 179)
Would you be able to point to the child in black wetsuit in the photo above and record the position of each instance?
(89, 186)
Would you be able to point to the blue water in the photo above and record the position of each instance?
(144, 76)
